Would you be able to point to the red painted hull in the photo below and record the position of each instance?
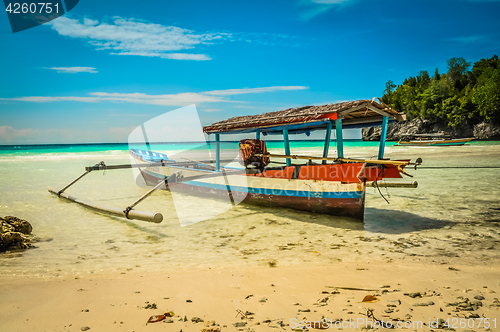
(343, 207)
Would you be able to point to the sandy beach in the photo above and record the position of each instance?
(258, 299)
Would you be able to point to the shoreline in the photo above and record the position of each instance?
(483, 131)
(116, 301)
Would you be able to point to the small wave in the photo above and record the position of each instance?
(66, 156)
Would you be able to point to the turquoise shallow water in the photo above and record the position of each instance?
(453, 214)
(27, 150)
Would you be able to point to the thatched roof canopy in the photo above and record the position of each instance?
(359, 113)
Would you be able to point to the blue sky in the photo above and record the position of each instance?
(108, 66)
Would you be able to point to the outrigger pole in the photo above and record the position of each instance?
(376, 161)
(128, 212)
(398, 164)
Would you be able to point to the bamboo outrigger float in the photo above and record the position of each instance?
(334, 185)
(128, 212)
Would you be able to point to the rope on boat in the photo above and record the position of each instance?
(102, 165)
(378, 188)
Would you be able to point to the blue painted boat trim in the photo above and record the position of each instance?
(445, 144)
(268, 192)
(279, 192)
(149, 155)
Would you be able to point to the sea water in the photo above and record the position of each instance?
(453, 214)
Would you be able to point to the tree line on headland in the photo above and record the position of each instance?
(462, 101)
(457, 97)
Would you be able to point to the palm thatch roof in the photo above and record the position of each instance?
(356, 113)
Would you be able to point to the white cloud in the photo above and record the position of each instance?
(174, 56)
(264, 38)
(41, 99)
(120, 134)
(229, 92)
(74, 70)
(212, 110)
(178, 99)
(10, 135)
(7, 133)
(470, 39)
(134, 37)
(312, 8)
(329, 2)
(186, 56)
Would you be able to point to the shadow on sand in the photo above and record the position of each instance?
(398, 222)
(376, 220)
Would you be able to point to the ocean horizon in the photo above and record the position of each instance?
(42, 145)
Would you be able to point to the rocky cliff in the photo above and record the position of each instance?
(400, 130)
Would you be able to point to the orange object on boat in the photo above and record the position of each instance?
(250, 147)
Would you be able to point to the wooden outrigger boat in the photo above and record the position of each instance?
(330, 185)
(437, 139)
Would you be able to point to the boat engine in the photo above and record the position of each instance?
(248, 149)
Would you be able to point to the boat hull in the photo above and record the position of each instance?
(327, 197)
(449, 142)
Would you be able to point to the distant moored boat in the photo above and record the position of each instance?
(437, 139)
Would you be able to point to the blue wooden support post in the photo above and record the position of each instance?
(217, 152)
(287, 146)
(340, 138)
(327, 140)
(209, 148)
(257, 134)
(383, 137)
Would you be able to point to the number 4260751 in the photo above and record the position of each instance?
(25, 8)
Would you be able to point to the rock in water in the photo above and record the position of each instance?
(20, 225)
(14, 240)
(14, 233)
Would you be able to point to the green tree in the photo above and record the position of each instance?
(483, 64)
(486, 95)
(423, 78)
(389, 90)
(457, 69)
(457, 97)
(437, 77)
(389, 87)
